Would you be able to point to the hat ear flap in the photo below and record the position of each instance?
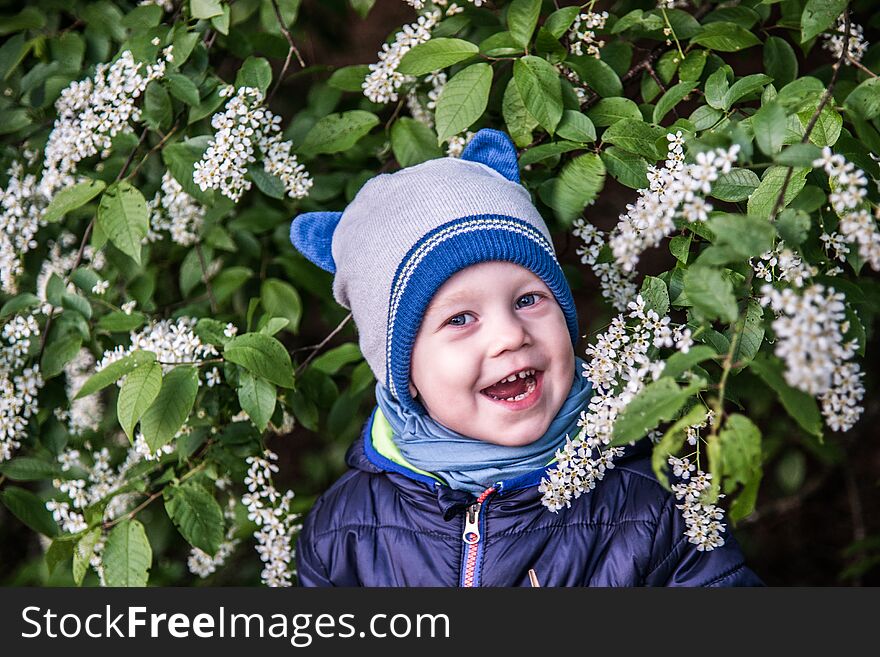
(494, 149)
(312, 235)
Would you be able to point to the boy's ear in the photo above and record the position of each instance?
(312, 235)
(494, 149)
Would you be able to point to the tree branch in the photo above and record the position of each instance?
(322, 343)
(291, 50)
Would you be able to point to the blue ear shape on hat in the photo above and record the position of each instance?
(312, 235)
(494, 149)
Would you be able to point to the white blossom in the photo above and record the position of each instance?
(856, 46)
(20, 212)
(457, 144)
(703, 520)
(244, 126)
(582, 37)
(175, 211)
(203, 564)
(810, 329)
(276, 523)
(85, 413)
(618, 287)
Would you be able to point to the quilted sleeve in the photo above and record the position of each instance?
(677, 562)
(309, 567)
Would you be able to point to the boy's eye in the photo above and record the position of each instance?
(454, 321)
(532, 296)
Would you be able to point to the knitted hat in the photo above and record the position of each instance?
(405, 233)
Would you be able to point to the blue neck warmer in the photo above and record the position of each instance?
(466, 463)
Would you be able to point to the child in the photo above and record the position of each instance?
(468, 323)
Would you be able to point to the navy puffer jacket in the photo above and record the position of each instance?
(385, 524)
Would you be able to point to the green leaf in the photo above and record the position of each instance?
(704, 117)
(626, 168)
(268, 183)
(435, 54)
(257, 398)
(763, 199)
(680, 362)
(522, 17)
(735, 185)
(670, 99)
(337, 358)
(254, 72)
(725, 37)
(659, 401)
(580, 181)
(196, 515)
(636, 137)
(743, 87)
(827, 129)
(752, 333)
(221, 22)
(544, 151)
(172, 406)
(608, 111)
(211, 331)
(413, 142)
(349, 78)
(864, 100)
(500, 44)
(262, 355)
(716, 88)
(691, 68)
(124, 218)
(180, 159)
(596, 73)
(560, 20)
(336, 133)
(183, 88)
(769, 124)
(58, 353)
(798, 155)
(793, 226)
(800, 93)
(818, 16)
(59, 552)
(28, 468)
(127, 555)
(710, 293)
(139, 391)
(157, 112)
(71, 198)
(82, 554)
(780, 62)
(74, 302)
(680, 247)
(115, 371)
(672, 441)
(575, 126)
(280, 299)
(519, 122)
(655, 294)
(799, 405)
(538, 83)
(30, 509)
(740, 442)
(23, 301)
(747, 236)
(120, 322)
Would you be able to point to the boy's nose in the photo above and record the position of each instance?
(508, 334)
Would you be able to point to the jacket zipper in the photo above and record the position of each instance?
(472, 536)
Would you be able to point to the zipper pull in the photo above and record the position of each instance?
(471, 533)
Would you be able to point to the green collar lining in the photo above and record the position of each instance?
(383, 442)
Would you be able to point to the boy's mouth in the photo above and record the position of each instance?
(518, 391)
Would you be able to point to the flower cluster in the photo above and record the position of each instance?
(85, 413)
(582, 36)
(92, 112)
(849, 189)
(173, 341)
(674, 191)
(18, 391)
(275, 521)
(781, 263)
(810, 329)
(619, 366)
(383, 81)
(175, 211)
(244, 126)
(856, 46)
(703, 520)
(618, 287)
(203, 564)
(437, 80)
(20, 212)
(456, 144)
(60, 261)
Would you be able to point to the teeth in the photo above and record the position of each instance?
(529, 390)
(521, 375)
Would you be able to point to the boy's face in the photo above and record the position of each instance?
(487, 322)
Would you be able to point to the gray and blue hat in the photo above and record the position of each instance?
(405, 233)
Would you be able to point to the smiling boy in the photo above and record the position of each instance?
(467, 321)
